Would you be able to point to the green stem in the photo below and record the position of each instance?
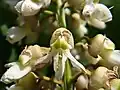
(68, 76)
(61, 14)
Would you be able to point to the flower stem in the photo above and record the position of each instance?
(68, 76)
(60, 14)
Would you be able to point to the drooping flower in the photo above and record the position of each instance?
(26, 63)
(31, 7)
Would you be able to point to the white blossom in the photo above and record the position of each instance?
(97, 14)
(30, 7)
(61, 43)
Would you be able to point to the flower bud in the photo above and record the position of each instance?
(82, 82)
(79, 25)
(101, 78)
(96, 45)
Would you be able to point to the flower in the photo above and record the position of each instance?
(61, 43)
(28, 82)
(15, 34)
(31, 7)
(97, 14)
(101, 78)
(26, 63)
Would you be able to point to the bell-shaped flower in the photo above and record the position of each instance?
(97, 15)
(61, 43)
(26, 63)
(31, 7)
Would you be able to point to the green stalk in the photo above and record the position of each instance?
(68, 76)
(60, 14)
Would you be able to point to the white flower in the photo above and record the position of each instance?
(15, 72)
(97, 15)
(30, 7)
(28, 82)
(15, 34)
(61, 43)
(26, 63)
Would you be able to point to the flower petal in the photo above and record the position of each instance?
(96, 23)
(74, 62)
(18, 6)
(30, 8)
(102, 13)
(15, 34)
(14, 73)
(60, 67)
(108, 44)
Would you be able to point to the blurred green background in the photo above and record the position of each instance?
(8, 17)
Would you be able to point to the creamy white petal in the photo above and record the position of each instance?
(14, 73)
(102, 13)
(114, 57)
(61, 67)
(108, 44)
(96, 23)
(18, 6)
(45, 59)
(30, 8)
(88, 10)
(15, 34)
(74, 62)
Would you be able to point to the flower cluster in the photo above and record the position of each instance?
(96, 63)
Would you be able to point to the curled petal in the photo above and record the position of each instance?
(15, 34)
(14, 73)
(108, 44)
(74, 62)
(96, 23)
